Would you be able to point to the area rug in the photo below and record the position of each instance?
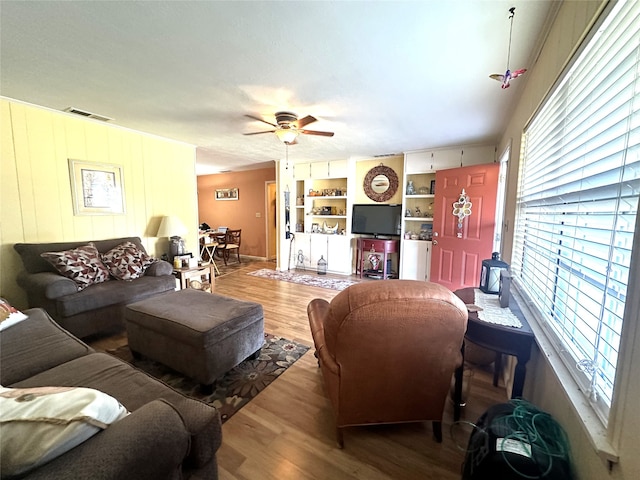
(235, 388)
(310, 280)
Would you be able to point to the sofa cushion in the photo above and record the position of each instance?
(113, 293)
(34, 263)
(126, 261)
(82, 265)
(40, 424)
(134, 388)
(35, 345)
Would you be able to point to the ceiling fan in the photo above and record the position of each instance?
(288, 127)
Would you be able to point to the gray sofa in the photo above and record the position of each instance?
(166, 435)
(98, 308)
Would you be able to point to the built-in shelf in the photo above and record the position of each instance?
(328, 197)
(418, 219)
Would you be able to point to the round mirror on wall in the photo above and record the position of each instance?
(380, 183)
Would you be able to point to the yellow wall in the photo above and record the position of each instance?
(36, 202)
(363, 166)
(543, 386)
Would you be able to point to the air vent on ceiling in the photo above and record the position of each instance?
(387, 155)
(84, 113)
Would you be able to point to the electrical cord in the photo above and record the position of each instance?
(538, 429)
(528, 425)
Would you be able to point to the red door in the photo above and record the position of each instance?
(460, 245)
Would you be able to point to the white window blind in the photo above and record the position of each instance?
(577, 202)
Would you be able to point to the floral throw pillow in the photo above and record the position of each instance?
(82, 265)
(127, 261)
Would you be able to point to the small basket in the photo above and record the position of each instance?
(198, 285)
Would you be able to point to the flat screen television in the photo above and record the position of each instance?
(376, 219)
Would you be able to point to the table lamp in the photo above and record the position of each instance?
(172, 227)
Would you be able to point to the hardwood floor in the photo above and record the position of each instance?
(287, 431)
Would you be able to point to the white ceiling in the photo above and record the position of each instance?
(386, 77)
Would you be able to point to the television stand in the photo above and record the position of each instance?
(367, 246)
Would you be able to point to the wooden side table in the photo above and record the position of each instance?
(499, 338)
(374, 245)
(186, 274)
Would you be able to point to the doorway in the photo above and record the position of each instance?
(271, 219)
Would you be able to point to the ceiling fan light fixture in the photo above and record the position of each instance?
(287, 135)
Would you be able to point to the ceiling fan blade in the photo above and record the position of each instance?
(306, 121)
(315, 132)
(258, 133)
(261, 120)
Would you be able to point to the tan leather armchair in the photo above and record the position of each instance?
(388, 350)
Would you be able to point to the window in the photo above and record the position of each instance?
(577, 203)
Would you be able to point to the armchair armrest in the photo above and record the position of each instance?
(158, 269)
(317, 311)
(47, 284)
(150, 443)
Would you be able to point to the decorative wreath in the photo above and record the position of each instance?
(391, 178)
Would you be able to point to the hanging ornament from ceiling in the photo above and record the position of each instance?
(508, 75)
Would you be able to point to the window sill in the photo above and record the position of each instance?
(589, 419)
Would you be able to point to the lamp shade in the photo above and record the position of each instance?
(287, 135)
(171, 226)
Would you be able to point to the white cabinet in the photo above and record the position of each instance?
(319, 249)
(300, 257)
(415, 261)
(319, 170)
(429, 161)
(332, 169)
(302, 171)
(442, 159)
(339, 257)
(338, 169)
(335, 249)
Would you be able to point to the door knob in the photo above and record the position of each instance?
(435, 242)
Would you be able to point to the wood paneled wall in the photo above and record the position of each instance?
(36, 201)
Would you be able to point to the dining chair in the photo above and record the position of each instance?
(233, 240)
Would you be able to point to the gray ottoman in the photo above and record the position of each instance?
(198, 334)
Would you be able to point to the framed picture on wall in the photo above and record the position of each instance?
(96, 188)
(226, 194)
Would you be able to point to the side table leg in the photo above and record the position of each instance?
(457, 390)
(518, 379)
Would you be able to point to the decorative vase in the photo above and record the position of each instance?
(411, 190)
